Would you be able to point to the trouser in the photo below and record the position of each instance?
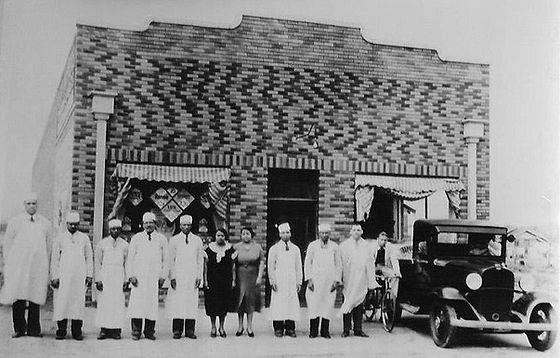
(111, 332)
(356, 316)
(287, 325)
(32, 326)
(149, 326)
(178, 325)
(76, 327)
(314, 326)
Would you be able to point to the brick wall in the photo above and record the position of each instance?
(247, 91)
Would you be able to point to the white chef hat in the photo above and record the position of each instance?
(73, 217)
(115, 223)
(185, 219)
(30, 196)
(284, 226)
(324, 227)
(149, 217)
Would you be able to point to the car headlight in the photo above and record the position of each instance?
(474, 281)
(526, 282)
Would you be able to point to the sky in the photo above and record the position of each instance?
(519, 39)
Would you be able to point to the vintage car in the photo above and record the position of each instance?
(458, 275)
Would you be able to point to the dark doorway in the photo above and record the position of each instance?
(292, 198)
(381, 216)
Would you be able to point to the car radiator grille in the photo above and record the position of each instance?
(494, 299)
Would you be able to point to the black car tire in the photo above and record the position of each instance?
(443, 333)
(542, 340)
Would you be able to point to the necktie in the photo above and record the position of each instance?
(149, 236)
(186, 239)
(32, 219)
(380, 259)
(287, 247)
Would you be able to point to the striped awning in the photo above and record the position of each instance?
(175, 174)
(410, 188)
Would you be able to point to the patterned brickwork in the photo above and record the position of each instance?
(192, 95)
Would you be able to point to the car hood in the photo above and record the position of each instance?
(471, 264)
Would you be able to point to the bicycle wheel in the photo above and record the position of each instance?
(369, 307)
(388, 311)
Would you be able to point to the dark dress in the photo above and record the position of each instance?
(218, 296)
(247, 292)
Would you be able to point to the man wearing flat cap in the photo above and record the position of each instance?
(26, 253)
(147, 266)
(186, 258)
(71, 270)
(110, 260)
(285, 276)
(323, 271)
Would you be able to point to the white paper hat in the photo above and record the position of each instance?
(185, 219)
(284, 226)
(115, 223)
(73, 217)
(149, 217)
(324, 227)
(30, 196)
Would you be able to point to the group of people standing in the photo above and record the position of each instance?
(230, 276)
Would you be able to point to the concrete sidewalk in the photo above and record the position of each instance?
(410, 338)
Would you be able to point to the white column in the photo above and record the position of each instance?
(473, 131)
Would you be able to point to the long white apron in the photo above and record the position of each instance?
(357, 261)
(284, 303)
(143, 302)
(69, 298)
(26, 270)
(110, 302)
(320, 301)
(183, 301)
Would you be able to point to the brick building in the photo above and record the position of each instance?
(271, 120)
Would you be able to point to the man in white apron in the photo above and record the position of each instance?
(72, 271)
(147, 265)
(322, 272)
(110, 259)
(285, 275)
(186, 258)
(26, 251)
(357, 276)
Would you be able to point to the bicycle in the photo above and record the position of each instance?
(384, 299)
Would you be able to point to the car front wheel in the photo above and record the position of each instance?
(542, 340)
(443, 333)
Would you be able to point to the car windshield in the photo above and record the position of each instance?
(472, 244)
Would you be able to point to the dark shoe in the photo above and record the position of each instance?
(251, 334)
(278, 333)
(222, 333)
(177, 335)
(78, 337)
(60, 335)
(360, 334)
(36, 335)
(102, 335)
(117, 335)
(291, 333)
(239, 333)
(151, 337)
(312, 335)
(190, 335)
(326, 335)
(135, 336)
(18, 334)
(345, 334)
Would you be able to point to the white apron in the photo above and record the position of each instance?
(69, 298)
(26, 269)
(322, 269)
(357, 272)
(284, 303)
(146, 264)
(110, 311)
(186, 266)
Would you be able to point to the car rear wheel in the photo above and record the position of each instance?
(542, 340)
(443, 333)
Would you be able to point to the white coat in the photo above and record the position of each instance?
(26, 251)
(357, 272)
(284, 270)
(392, 266)
(72, 261)
(147, 261)
(323, 268)
(186, 266)
(110, 259)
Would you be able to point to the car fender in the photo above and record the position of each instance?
(529, 300)
(448, 293)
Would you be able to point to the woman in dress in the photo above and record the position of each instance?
(250, 267)
(219, 280)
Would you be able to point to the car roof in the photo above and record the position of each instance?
(474, 225)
